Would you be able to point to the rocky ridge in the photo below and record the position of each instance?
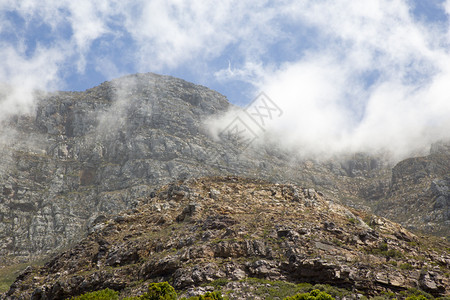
(199, 231)
(87, 154)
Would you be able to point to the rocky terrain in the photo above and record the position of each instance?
(84, 155)
(420, 185)
(201, 232)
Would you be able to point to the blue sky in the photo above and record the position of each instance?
(351, 65)
(114, 50)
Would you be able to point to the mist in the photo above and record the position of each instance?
(378, 83)
(348, 76)
(328, 109)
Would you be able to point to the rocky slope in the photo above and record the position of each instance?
(419, 194)
(86, 154)
(228, 229)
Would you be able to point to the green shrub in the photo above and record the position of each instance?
(105, 294)
(332, 290)
(393, 262)
(406, 266)
(415, 294)
(388, 295)
(392, 253)
(352, 221)
(383, 247)
(160, 291)
(420, 297)
(313, 295)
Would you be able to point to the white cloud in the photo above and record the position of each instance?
(22, 76)
(172, 32)
(350, 75)
(332, 107)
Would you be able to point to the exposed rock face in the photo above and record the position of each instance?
(419, 194)
(189, 236)
(87, 154)
(91, 153)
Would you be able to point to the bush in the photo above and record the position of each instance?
(160, 291)
(105, 294)
(392, 253)
(313, 295)
(415, 294)
(406, 266)
(383, 247)
(420, 297)
(393, 262)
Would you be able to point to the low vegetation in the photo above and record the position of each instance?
(164, 291)
(313, 295)
(273, 290)
(9, 273)
(105, 294)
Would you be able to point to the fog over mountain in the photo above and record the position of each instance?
(349, 77)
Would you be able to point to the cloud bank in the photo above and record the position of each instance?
(378, 80)
(349, 76)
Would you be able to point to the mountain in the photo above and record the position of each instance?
(243, 237)
(84, 156)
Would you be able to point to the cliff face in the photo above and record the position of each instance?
(419, 194)
(230, 229)
(84, 155)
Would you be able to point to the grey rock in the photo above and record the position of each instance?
(430, 282)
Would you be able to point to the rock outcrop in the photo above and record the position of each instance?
(419, 194)
(230, 229)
